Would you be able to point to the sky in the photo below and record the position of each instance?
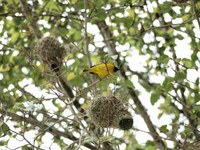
(136, 63)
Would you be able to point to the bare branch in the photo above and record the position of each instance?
(106, 33)
(32, 19)
(43, 126)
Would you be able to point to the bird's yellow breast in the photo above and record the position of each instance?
(102, 70)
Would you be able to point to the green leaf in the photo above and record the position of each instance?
(72, 2)
(98, 3)
(14, 37)
(106, 138)
(19, 106)
(180, 37)
(197, 107)
(26, 147)
(154, 97)
(166, 7)
(160, 115)
(163, 59)
(187, 62)
(75, 35)
(128, 83)
(150, 145)
(194, 57)
(3, 143)
(4, 129)
(168, 83)
(77, 81)
(128, 21)
(186, 17)
(51, 5)
(197, 6)
(196, 96)
(131, 13)
(126, 2)
(197, 81)
(97, 18)
(163, 129)
(180, 76)
(80, 4)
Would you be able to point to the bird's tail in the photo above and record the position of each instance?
(85, 70)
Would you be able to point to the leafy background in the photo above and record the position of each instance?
(153, 35)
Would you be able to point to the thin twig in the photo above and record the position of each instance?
(195, 12)
(87, 41)
(80, 141)
(74, 112)
(29, 143)
(43, 126)
(86, 35)
(33, 19)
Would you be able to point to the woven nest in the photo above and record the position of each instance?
(108, 112)
(50, 52)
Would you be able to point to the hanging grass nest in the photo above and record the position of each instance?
(108, 112)
(50, 52)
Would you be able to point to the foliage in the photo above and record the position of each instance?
(154, 43)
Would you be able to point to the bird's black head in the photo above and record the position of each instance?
(116, 69)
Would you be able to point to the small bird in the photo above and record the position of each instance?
(102, 70)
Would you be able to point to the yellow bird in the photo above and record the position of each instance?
(102, 70)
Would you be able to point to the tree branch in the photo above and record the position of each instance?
(183, 102)
(32, 20)
(86, 35)
(43, 126)
(106, 33)
(188, 114)
(194, 2)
